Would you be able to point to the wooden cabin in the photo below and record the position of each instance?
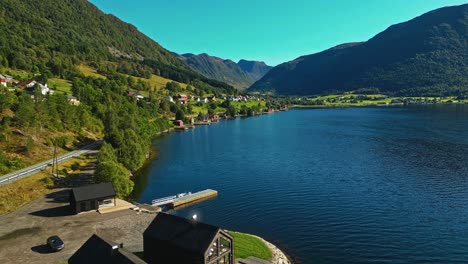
(92, 197)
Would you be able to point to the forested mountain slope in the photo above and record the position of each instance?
(427, 55)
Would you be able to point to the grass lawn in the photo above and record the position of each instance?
(157, 82)
(238, 105)
(249, 246)
(25, 190)
(88, 71)
(23, 75)
(61, 85)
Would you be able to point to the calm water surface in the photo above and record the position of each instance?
(362, 185)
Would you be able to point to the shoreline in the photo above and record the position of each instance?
(278, 255)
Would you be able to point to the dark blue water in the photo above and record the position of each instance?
(357, 185)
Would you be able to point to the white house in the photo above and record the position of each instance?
(3, 80)
(45, 89)
(170, 99)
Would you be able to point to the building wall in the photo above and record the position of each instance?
(159, 252)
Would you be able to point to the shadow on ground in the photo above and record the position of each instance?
(61, 196)
(41, 249)
(54, 212)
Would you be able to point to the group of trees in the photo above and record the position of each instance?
(110, 170)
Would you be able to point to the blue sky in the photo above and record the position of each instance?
(273, 31)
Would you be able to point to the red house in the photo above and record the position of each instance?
(3, 81)
(183, 99)
(179, 123)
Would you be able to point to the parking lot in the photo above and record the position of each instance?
(23, 233)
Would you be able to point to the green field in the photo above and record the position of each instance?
(22, 75)
(349, 99)
(249, 104)
(88, 71)
(249, 246)
(60, 85)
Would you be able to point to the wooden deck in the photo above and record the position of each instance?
(194, 197)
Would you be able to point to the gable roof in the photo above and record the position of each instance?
(182, 233)
(93, 191)
(100, 250)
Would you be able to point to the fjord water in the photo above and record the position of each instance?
(356, 185)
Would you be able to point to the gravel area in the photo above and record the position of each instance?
(118, 230)
(23, 233)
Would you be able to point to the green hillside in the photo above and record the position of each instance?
(56, 35)
(116, 75)
(424, 56)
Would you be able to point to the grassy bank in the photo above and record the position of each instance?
(249, 246)
(21, 192)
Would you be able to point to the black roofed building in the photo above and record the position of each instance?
(102, 251)
(92, 197)
(172, 239)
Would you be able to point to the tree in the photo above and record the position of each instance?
(114, 172)
(180, 115)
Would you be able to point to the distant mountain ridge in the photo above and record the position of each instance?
(426, 55)
(240, 75)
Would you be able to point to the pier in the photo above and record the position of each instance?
(184, 198)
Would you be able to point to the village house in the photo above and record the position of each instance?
(3, 80)
(205, 100)
(138, 96)
(190, 120)
(183, 99)
(179, 123)
(211, 98)
(26, 84)
(203, 118)
(45, 89)
(214, 117)
(173, 239)
(73, 100)
(169, 99)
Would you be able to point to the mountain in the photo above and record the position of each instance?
(426, 55)
(256, 69)
(240, 75)
(58, 34)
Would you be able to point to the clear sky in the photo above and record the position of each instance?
(273, 31)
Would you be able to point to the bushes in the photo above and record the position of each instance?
(110, 170)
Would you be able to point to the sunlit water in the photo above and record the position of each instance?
(357, 185)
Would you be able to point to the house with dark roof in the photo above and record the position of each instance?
(99, 250)
(172, 239)
(92, 197)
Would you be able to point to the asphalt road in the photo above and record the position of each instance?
(13, 176)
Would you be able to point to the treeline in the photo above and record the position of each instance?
(129, 125)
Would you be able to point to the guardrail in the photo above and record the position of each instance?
(10, 177)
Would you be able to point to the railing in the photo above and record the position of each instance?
(7, 178)
(161, 201)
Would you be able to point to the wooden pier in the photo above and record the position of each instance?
(184, 198)
(194, 197)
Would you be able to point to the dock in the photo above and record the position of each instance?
(183, 128)
(184, 198)
(194, 197)
(202, 123)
